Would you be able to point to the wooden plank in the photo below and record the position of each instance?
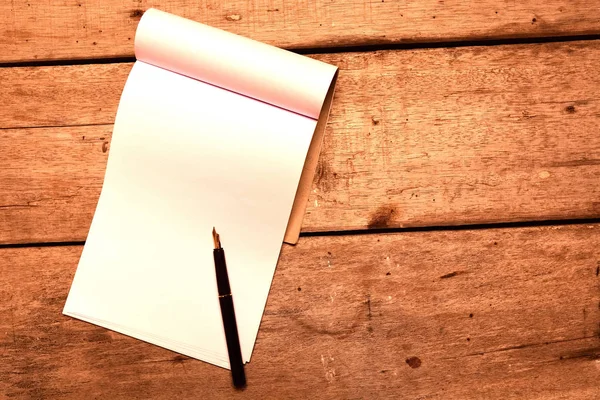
(50, 182)
(61, 95)
(415, 138)
(83, 29)
(495, 314)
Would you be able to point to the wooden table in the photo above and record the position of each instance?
(450, 243)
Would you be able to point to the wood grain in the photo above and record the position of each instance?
(83, 29)
(416, 138)
(495, 314)
(50, 182)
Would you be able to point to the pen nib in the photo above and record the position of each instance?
(216, 239)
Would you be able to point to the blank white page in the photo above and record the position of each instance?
(276, 76)
(186, 156)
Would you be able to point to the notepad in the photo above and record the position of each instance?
(212, 130)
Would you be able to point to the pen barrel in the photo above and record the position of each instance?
(236, 362)
(221, 272)
(233, 344)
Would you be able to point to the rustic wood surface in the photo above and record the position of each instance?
(493, 313)
(420, 137)
(416, 138)
(83, 29)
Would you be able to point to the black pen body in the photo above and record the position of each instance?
(229, 322)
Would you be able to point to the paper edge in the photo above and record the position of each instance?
(292, 233)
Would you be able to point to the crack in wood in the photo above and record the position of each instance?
(576, 163)
(12, 315)
(30, 203)
(453, 274)
(17, 206)
(590, 354)
(522, 346)
(8, 128)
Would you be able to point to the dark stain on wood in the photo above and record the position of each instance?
(471, 315)
(104, 147)
(36, 382)
(576, 163)
(137, 13)
(53, 301)
(97, 336)
(452, 274)
(413, 362)
(179, 359)
(381, 218)
(368, 302)
(570, 109)
(324, 176)
(591, 354)
(334, 331)
(388, 273)
(598, 269)
(374, 120)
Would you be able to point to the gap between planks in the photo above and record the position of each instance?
(334, 50)
(373, 231)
